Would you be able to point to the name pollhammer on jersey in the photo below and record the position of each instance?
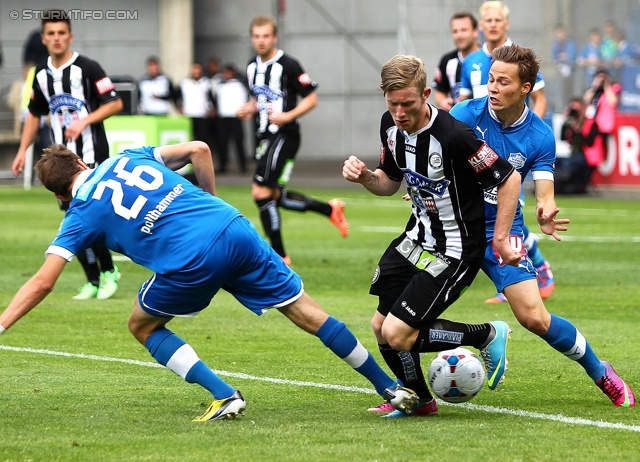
(152, 215)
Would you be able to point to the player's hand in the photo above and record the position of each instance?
(508, 254)
(247, 111)
(18, 163)
(549, 224)
(279, 118)
(74, 130)
(354, 170)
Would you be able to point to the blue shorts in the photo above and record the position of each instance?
(240, 261)
(505, 275)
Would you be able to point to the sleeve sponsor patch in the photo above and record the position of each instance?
(305, 80)
(104, 85)
(483, 159)
(382, 152)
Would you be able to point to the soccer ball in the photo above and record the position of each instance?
(456, 375)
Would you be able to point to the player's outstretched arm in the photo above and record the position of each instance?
(198, 154)
(377, 182)
(546, 210)
(33, 291)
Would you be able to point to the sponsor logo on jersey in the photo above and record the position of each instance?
(75, 82)
(483, 159)
(445, 336)
(435, 187)
(435, 160)
(406, 306)
(517, 159)
(382, 153)
(482, 132)
(269, 93)
(305, 80)
(409, 148)
(65, 101)
(104, 85)
(491, 195)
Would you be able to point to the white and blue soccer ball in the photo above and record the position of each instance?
(456, 375)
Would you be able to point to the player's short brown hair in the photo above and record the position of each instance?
(525, 58)
(55, 15)
(56, 169)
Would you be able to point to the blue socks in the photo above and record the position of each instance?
(338, 338)
(178, 356)
(564, 337)
(531, 244)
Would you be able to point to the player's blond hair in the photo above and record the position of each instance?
(263, 21)
(494, 4)
(403, 71)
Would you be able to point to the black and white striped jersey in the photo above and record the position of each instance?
(446, 169)
(446, 78)
(71, 92)
(276, 85)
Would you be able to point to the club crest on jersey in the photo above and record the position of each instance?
(75, 82)
(435, 160)
(517, 159)
(269, 93)
(435, 187)
(483, 159)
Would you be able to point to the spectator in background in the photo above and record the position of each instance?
(18, 100)
(446, 78)
(231, 93)
(609, 46)
(155, 90)
(215, 76)
(590, 56)
(563, 51)
(601, 102)
(196, 102)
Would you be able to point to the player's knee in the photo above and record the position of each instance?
(534, 323)
(396, 339)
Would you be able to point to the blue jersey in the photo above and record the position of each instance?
(474, 75)
(528, 144)
(136, 206)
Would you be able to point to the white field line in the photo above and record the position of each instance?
(237, 375)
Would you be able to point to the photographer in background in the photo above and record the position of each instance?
(572, 173)
(601, 102)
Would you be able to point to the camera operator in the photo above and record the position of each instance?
(572, 173)
(601, 101)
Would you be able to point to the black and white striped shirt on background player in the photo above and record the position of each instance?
(276, 84)
(71, 93)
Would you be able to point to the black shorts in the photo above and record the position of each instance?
(275, 157)
(417, 293)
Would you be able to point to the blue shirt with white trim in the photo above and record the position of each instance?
(528, 144)
(135, 205)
